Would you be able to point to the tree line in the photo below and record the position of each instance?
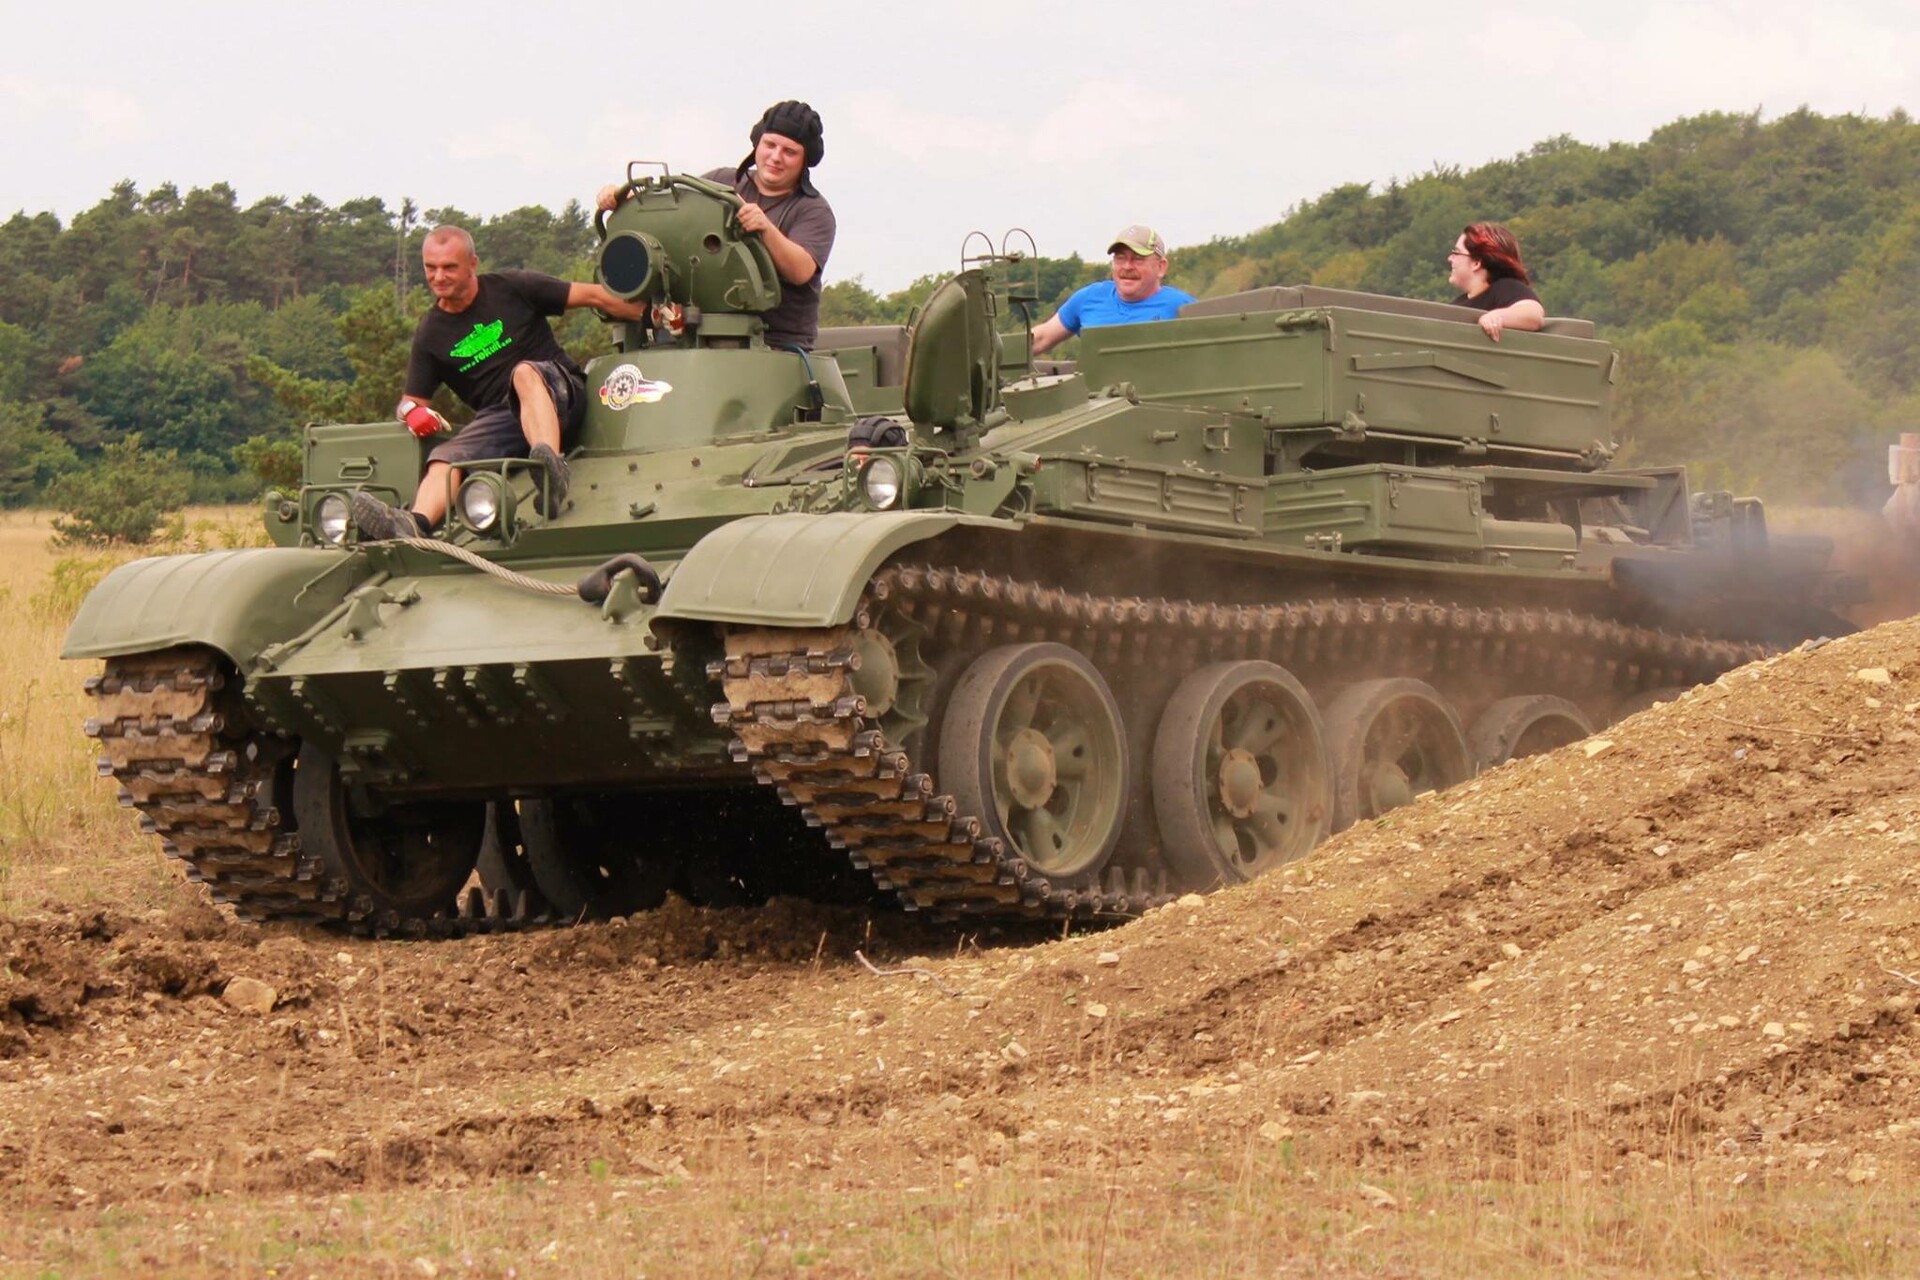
(208, 332)
(1761, 277)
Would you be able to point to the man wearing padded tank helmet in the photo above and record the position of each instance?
(784, 208)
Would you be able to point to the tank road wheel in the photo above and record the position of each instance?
(589, 855)
(1514, 728)
(1032, 744)
(406, 862)
(1391, 740)
(1241, 779)
(892, 676)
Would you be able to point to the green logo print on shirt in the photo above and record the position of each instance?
(484, 341)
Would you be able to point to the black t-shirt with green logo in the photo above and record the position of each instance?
(474, 351)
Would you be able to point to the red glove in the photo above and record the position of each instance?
(422, 420)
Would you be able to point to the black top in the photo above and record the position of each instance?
(808, 221)
(474, 351)
(1503, 292)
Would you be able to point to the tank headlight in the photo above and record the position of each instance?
(484, 503)
(330, 519)
(880, 482)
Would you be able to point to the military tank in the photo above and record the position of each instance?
(914, 615)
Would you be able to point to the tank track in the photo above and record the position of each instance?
(800, 724)
(163, 736)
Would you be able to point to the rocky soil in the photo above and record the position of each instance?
(1694, 939)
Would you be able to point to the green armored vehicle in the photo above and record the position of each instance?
(1037, 643)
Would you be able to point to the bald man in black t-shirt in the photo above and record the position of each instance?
(487, 339)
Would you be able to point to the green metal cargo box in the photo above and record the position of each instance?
(1329, 365)
(382, 456)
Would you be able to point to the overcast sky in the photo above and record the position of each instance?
(1207, 118)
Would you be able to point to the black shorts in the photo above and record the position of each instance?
(495, 431)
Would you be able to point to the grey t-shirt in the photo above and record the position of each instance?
(807, 221)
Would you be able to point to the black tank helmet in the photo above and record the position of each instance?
(796, 120)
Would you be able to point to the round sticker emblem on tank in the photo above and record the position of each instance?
(626, 385)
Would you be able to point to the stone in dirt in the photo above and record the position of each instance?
(1378, 1198)
(250, 995)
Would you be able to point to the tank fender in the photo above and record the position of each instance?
(238, 602)
(796, 569)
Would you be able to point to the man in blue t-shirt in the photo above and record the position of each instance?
(1134, 294)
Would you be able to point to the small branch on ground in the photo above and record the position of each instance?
(928, 974)
(1771, 728)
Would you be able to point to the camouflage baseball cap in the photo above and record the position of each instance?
(1140, 238)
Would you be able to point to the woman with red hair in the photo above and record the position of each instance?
(1485, 266)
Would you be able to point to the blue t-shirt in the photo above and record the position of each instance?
(1101, 303)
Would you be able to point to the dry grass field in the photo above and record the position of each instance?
(1646, 1010)
(62, 835)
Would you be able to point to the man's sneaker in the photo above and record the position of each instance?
(379, 521)
(550, 499)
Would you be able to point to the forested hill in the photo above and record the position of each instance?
(199, 325)
(1763, 280)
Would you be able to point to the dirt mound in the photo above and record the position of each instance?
(1694, 939)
